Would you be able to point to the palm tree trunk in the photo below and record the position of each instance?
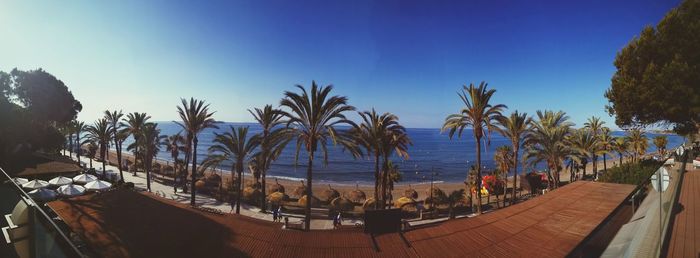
(309, 192)
(376, 180)
(478, 175)
(175, 174)
(90, 163)
(239, 171)
(605, 162)
(385, 179)
(595, 167)
(188, 155)
(515, 173)
(194, 170)
(77, 153)
(136, 157)
(263, 201)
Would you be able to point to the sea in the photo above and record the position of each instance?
(433, 156)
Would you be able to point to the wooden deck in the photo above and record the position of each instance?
(128, 224)
(685, 233)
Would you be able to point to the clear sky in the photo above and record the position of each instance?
(404, 57)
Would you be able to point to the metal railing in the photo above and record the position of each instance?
(65, 244)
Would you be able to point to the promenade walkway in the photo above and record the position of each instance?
(685, 234)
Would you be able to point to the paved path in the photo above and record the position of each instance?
(166, 191)
(685, 234)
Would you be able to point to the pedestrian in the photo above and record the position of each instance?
(279, 213)
(274, 215)
(232, 202)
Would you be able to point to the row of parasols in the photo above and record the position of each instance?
(66, 186)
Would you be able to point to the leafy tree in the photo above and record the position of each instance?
(658, 74)
(660, 142)
(478, 114)
(514, 127)
(151, 141)
(312, 118)
(101, 133)
(638, 142)
(175, 144)
(547, 142)
(596, 126)
(134, 123)
(195, 117)
(114, 119)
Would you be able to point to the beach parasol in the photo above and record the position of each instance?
(300, 190)
(251, 194)
(314, 201)
(20, 181)
(403, 201)
(60, 180)
(356, 196)
(43, 194)
(84, 178)
(368, 204)
(35, 184)
(329, 194)
(277, 197)
(342, 204)
(277, 187)
(410, 193)
(98, 185)
(70, 190)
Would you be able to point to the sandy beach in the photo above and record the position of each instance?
(399, 188)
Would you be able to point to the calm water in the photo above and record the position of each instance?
(431, 150)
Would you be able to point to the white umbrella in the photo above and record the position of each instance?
(20, 181)
(71, 190)
(98, 185)
(43, 194)
(84, 178)
(60, 180)
(35, 184)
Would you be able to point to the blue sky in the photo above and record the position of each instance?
(404, 57)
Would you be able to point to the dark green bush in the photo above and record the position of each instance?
(631, 173)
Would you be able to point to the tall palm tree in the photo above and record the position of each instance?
(582, 142)
(114, 119)
(394, 177)
(514, 127)
(151, 141)
(638, 142)
(621, 146)
(101, 133)
(78, 128)
(478, 114)
(312, 119)
(92, 149)
(134, 123)
(70, 130)
(505, 160)
(606, 145)
(237, 147)
(660, 142)
(546, 142)
(380, 135)
(596, 125)
(175, 144)
(273, 139)
(195, 117)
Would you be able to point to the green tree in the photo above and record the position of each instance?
(175, 144)
(312, 119)
(638, 143)
(658, 73)
(514, 127)
(660, 142)
(237, 147)
(596, 126)
(621, 146)
(273, 139)
(114, 119)
(101, 133)
(151, 141)
(195, 117)
(606, 145)
(134, 123)
(505, 160)
(78, 129)
(547, 142)
(478, 114)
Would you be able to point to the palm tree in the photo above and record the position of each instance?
(381, 135)
(78, 128)
(582, 142)
(101, 133)
(312, 120)
(114, 119)
(272, 141)
(546, 142)
(638, 142)
(596, 125)
(514, 127)
(660, 142)
(234, 146)
(92, 149)
(134, 124)
(70, 130)
(621, 146)
(606, 145)
(455, 197)
(175, 144)
(394, 177)
(151, 141)
(505, 160)
(478, 114)
(195, 118)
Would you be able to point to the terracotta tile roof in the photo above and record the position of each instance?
(129, 224)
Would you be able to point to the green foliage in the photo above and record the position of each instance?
(658, 73)
(631, 173)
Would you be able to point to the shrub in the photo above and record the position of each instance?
(631, 173)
